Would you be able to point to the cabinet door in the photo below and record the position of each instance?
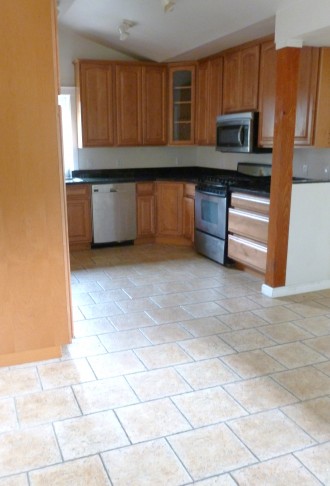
(79, 227)
(95, 86)
(208, 99)
(215, 98)
(169, 208)
(79, 213)
(154, 102)
(306, 95)
(267, 94)
(231, 77)
(182, 105)
(146, 222)
(241, 72)
(322, 126)
(129, 104)
(202, 102)
(145, 216)
(188, 218)
(249, 78)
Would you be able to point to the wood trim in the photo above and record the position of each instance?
(260, 40)
(287, 74)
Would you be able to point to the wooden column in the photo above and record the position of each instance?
(287, 71)
(35, 313)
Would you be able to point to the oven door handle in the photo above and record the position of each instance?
(240, 135)
(209, 193)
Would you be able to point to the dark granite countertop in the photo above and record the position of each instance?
(192, 174)
(106, 176)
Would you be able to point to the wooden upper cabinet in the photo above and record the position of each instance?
(249, 77)
(267, 94)
(94, 81)
(202, 102)
(141, 104)
(322, 122)
(208, 99)
(129, 104)
(182, 104)
(240, 81)
(154, 104)
(306, 95)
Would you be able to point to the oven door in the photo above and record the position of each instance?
(211, 214)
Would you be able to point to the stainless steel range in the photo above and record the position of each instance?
(211, 206)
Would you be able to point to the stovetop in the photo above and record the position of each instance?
(249, 175)
(222, 185)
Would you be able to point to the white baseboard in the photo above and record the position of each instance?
(294, 289)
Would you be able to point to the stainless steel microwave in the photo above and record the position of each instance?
(238, 132)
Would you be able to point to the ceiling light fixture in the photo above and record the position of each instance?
(168, 5)
(123, 29)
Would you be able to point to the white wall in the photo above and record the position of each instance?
(308, 258)
(312, 163)
(73, 46)
(303, 23)
(309, 236)
(136, 157)
(209, 157)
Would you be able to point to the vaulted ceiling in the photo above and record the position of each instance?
(192, 30)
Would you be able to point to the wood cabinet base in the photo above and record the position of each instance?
(251, 271)
(79, 246)
(173, 240)
(164, 240)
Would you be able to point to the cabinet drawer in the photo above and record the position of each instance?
(248, 224)
(248, 252)
(145, 188)
(78, 191)
(250, 202)
(189, 190)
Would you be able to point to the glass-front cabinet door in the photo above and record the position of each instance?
(182, 104)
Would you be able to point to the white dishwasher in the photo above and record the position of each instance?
(114, 212)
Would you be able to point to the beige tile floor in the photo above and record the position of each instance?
(181, 372)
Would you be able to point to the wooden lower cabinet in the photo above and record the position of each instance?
(145, 207)
(165, 212)
(79, 216)
(248, 252)
(248, 230)
(189, 212)
(169, 196)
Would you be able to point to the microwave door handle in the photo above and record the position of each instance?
(240, 135)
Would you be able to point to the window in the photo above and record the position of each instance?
(69, 130)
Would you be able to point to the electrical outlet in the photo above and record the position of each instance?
(176, 161)
(118, 164)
